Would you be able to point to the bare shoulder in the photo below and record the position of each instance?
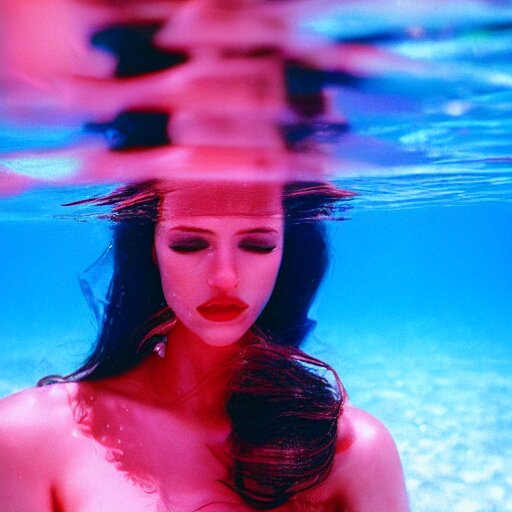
(35, 410)
(364, 434)
(368, 474)
(32, 426)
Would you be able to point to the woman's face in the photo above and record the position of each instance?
(218, 248)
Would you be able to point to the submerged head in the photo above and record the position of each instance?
(151, 283)
(217, 260)
(218, 248)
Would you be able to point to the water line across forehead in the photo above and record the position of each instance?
(220, 199)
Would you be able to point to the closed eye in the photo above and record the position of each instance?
(189, 245)
(257, 247)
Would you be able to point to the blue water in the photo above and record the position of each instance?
(415, 316)
(416, 311)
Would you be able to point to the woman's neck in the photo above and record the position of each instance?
(193, 375)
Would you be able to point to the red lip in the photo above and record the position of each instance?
(222, 309)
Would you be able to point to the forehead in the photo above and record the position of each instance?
(221, 199)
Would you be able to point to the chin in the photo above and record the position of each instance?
(219, 334)
(222, 341)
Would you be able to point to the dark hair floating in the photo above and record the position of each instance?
(283, 410)
(284, 415)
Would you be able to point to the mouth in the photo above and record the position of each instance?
(222, 310)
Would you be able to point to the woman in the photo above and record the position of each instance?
(196, 397)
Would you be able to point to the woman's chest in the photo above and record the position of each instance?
(94, 487)
(137, 460)
(98, 480)
(132, 469)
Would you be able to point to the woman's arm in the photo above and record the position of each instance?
(368, 471)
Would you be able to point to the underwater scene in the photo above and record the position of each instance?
(406, 107)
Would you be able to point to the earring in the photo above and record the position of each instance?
(156, 339)
(160, 349)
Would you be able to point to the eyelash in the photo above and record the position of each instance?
(186, 246)
(258, 248)
(190, 246)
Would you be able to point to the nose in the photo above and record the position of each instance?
(223, 274)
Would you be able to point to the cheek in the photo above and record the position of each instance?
(262, 277)
(177, 282)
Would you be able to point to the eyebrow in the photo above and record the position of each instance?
(192, 229)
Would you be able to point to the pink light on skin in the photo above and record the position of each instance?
(218, 248)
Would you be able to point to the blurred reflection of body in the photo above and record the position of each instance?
(144, 424)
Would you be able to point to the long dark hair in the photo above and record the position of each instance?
(283, 410)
